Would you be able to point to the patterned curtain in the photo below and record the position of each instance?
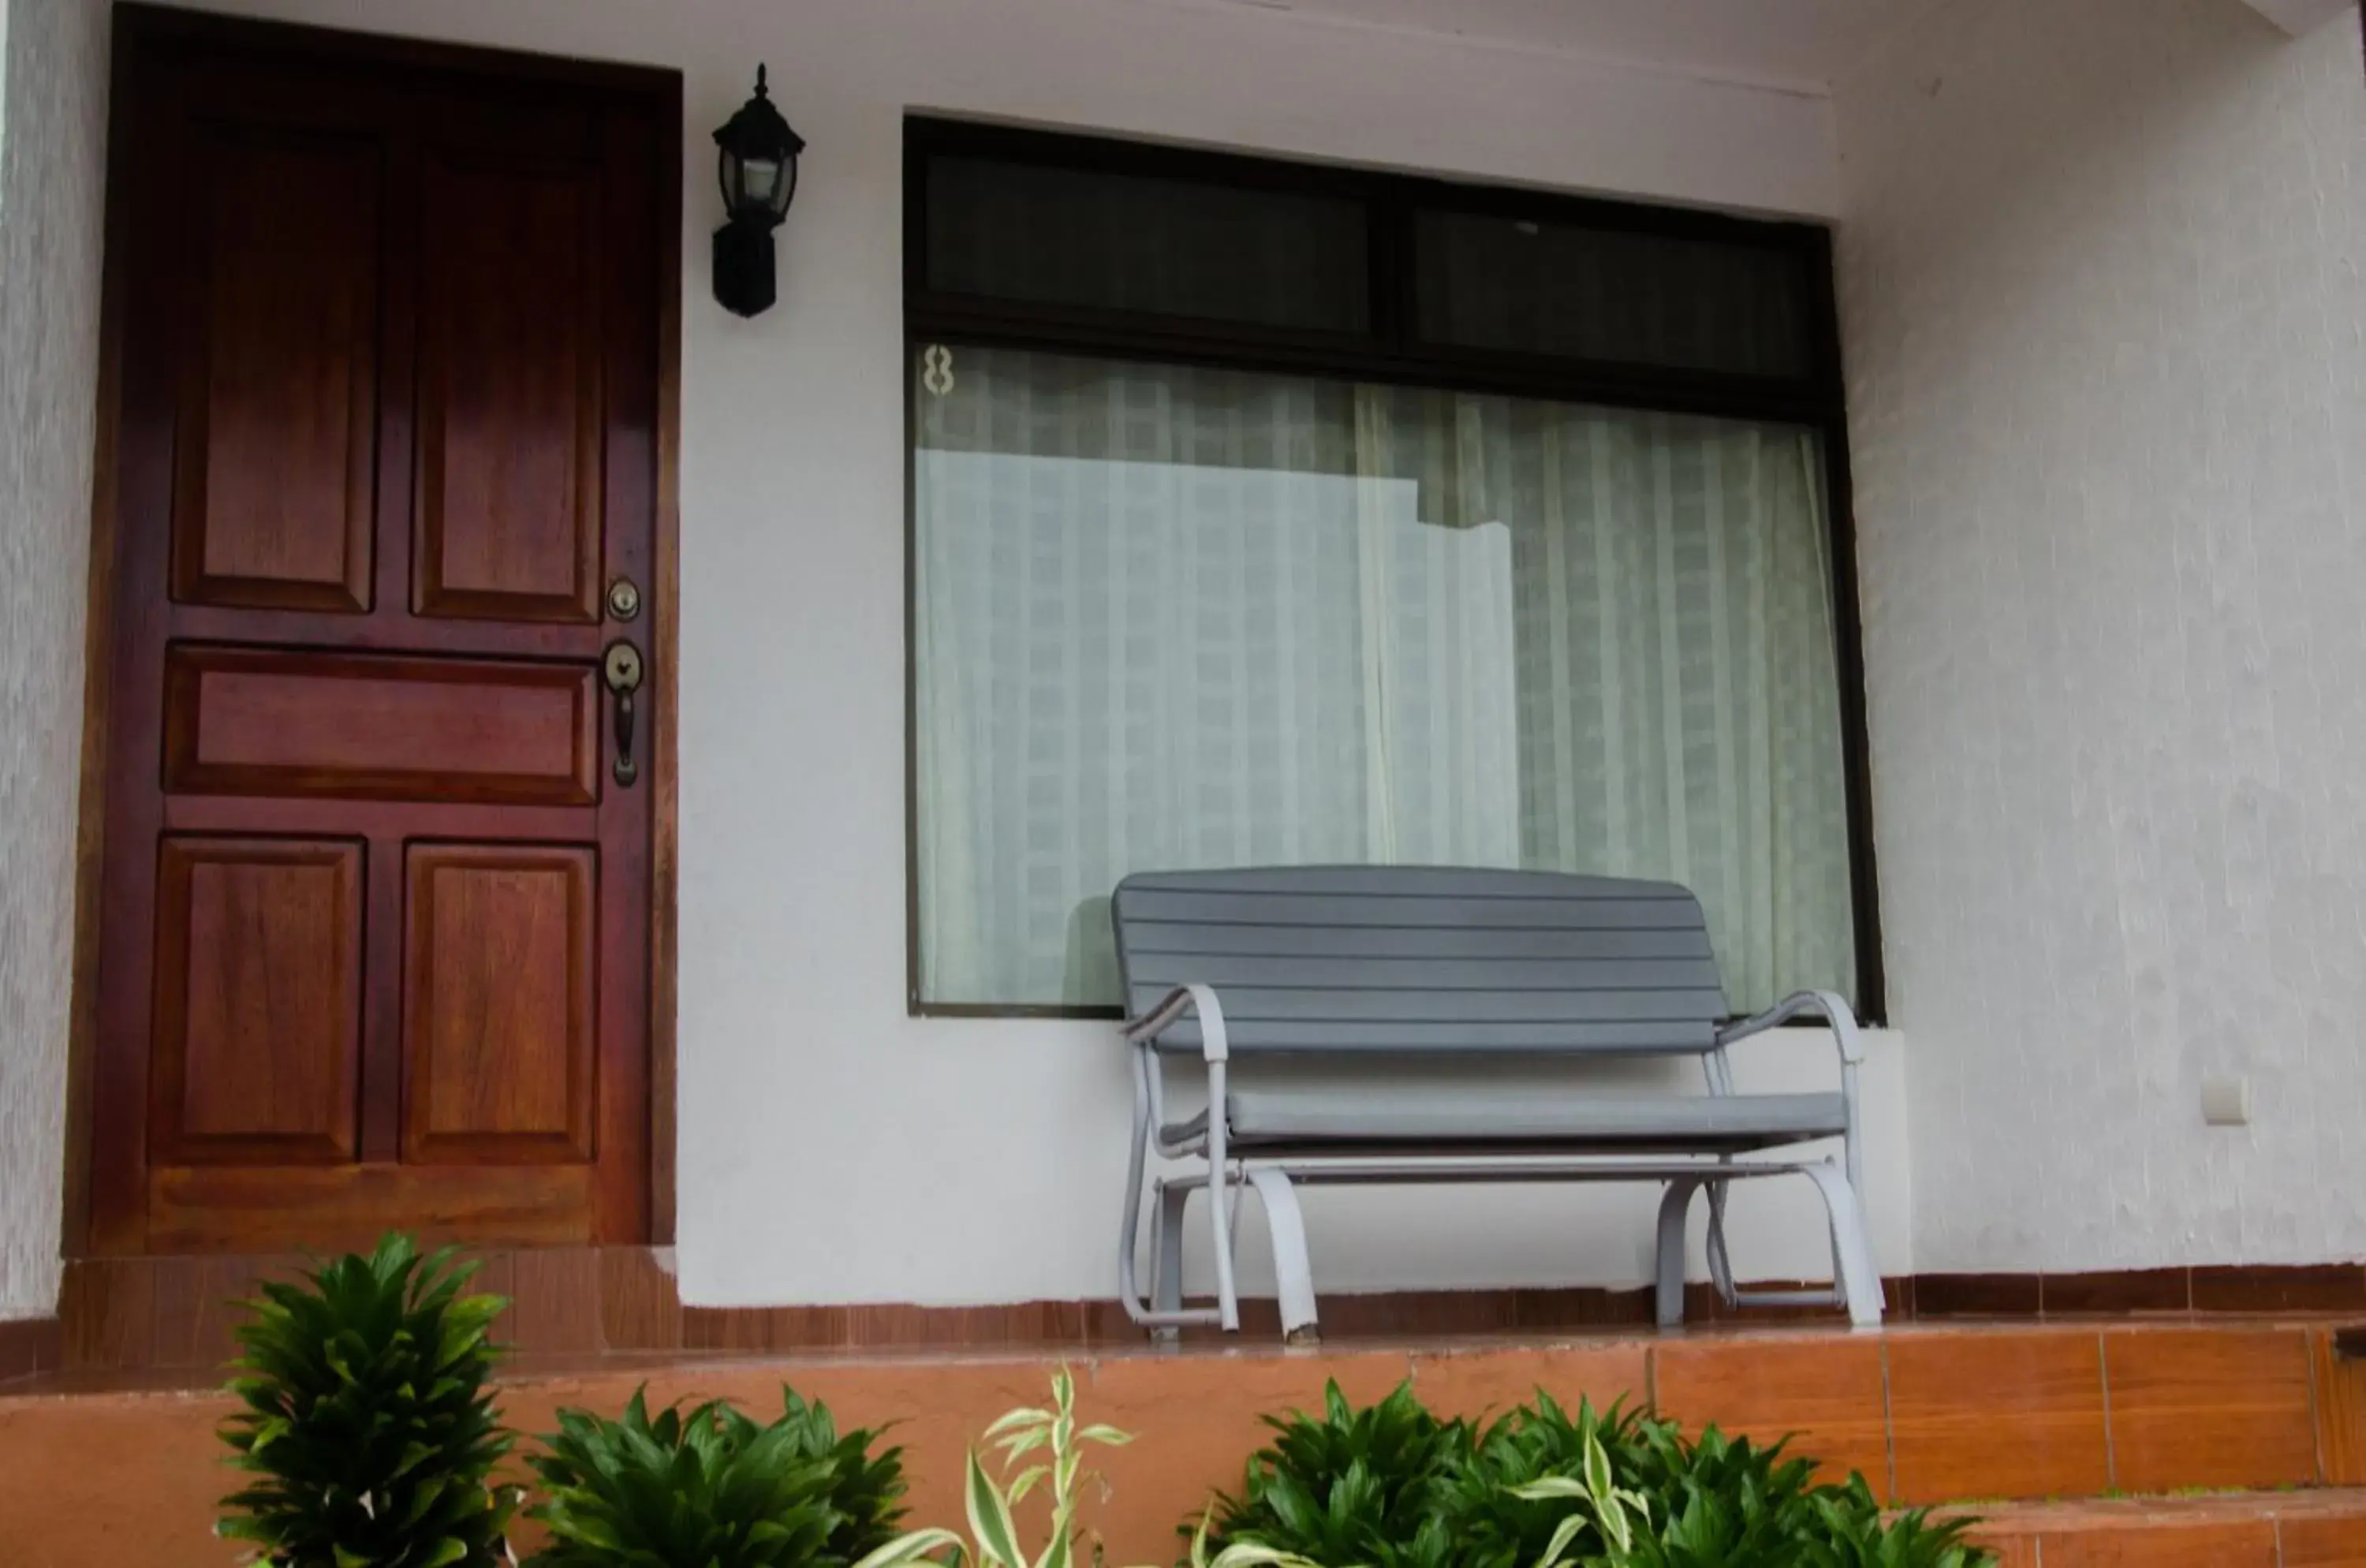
(1168, 618)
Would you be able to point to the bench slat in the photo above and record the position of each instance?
(1155, 973)
(1405, 913)
(1418, 958)
(1408, 882)
(1148, 938)
(1623, 1039)
(1246, 1003)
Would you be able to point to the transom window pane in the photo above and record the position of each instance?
(1598, 294)
(1171, 618)
(1156, 247)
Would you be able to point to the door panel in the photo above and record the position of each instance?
(508, 394)
(279, 383)
(497, 1021)
(247, 721)
(258, 990)
(293, 1208)
(374, 916)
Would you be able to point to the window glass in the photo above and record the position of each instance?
(1598, 294)
(1157, 247)
(1170, 619)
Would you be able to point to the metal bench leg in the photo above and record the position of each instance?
(1675, 1204)
(1720, 1260)
(1130, 1226)
(1293, 1277)
(1167, 1246)
(1860, 1282)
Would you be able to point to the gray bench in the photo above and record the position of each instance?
(1336, 967)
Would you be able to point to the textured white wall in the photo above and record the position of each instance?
(831, 1149)
(2302, 16)
(49, 178)
(2106, 335)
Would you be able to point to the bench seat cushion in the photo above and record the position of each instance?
(1300, 1118)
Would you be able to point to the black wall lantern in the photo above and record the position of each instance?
(758, 166)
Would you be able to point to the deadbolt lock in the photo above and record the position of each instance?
(624, 599)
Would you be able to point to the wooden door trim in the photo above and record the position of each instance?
(138, 28)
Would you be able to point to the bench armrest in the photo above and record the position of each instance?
(1833, 1010)
(1194, 999)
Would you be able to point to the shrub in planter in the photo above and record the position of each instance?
(712, 1488)
(1351, 1488)
(369, 1432)
(994, 1539)
(1492, 1524)
(1721, 1503)
(1393, 1486)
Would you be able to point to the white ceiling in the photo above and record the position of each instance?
(1805, 42)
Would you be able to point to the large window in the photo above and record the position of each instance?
(1268, 515)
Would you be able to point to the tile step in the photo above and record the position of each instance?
(2305, 1529)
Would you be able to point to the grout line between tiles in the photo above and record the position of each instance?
(2316, 1422)
(1889, 1422)
(2111, 1440)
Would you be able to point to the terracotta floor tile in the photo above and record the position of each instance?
(2323, 1542)
(2340, 1411)
(30, 1347)
(200, 1301)
(641, 1306)
(1826, 1394)
(1486, 1383)
(2247, 1544)
(2011, 1550)
(1198, 1420)
(556, 1304)
(2016, 1414)
(724, 1329)
(2220, 1408)
(107, 1308)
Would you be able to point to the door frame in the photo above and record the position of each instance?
(137, 27)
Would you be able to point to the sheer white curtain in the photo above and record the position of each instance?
(1168, 618)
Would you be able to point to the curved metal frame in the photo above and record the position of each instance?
(1856, 1282)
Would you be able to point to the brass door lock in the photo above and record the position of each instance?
(624, 599)
(620, 666)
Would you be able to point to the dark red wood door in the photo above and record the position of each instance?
(374, 941)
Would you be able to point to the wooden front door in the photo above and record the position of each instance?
(374, 941)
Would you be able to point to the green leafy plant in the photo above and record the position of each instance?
(712, 1488)
(1856, 1534)
(369, 1429)
(1394, 1487)
(1494, 1520)
(1349, 1488)
(866, 1488)
(994, 1540)
(1726, 1503)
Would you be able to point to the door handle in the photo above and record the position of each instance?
(620, 667)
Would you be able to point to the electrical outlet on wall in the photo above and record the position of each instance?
(2227, 1102)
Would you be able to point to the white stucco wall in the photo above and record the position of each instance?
(2106, 334)
(831, 1149)
(49, 179)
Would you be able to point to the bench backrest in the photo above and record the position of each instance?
(1324, 959)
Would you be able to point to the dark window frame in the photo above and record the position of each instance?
(1391, 352)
